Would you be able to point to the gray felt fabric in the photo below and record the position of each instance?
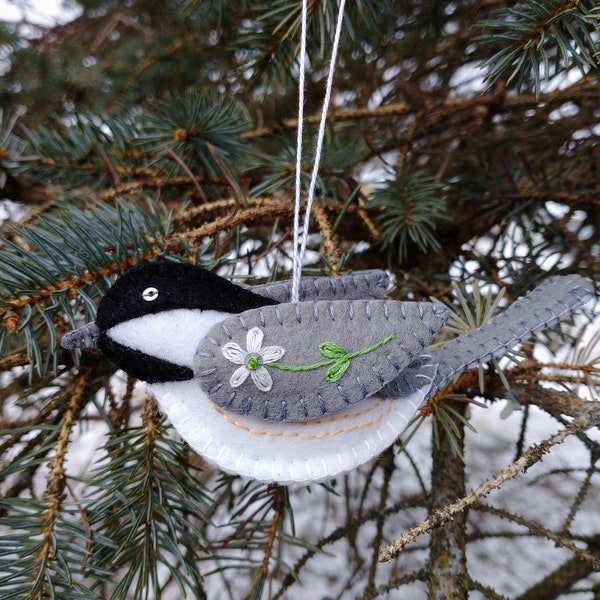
(299, 329)
(550, 302)
(546, 305)
(83, 337)
(421, 372)
(374, 284)
(349, 312)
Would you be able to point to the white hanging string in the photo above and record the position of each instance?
(301, 250)
(296, 256)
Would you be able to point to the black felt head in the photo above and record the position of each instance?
(157, 287)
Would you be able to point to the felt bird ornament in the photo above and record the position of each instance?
(296, 392)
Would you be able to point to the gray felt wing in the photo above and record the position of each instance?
(374, 284)
(295, 362)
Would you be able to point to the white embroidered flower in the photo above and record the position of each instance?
(252, 360)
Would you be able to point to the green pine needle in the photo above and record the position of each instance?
(189, 125)
(409, 210)
(541, 40)
(57, 269)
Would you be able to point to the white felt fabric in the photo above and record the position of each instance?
(286, 453)
(170, 335)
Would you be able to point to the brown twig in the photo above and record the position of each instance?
(276, 520)
(447, 572)
(557, 538)
(388, 466)
(331, 249)
(259, 210)
(56, 480)
(559, 582)
(446, 513)
(10, 361)
(192, 177)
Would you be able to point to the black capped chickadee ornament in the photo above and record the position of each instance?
(295, 392)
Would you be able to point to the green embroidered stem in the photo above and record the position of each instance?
(380, 343)
(282, 367)
(338, 359)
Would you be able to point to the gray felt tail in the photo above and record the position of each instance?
(546, 305)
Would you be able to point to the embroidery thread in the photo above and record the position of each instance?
(252, 360)
(255, 360)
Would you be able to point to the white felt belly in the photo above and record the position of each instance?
(286, 452)
(171, 335)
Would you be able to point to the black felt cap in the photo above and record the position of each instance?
(177, 285)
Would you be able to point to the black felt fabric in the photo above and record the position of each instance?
(142, 366)
(179, 285)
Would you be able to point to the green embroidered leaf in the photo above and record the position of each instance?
(332, 350)
(337, 370)
(338, 358)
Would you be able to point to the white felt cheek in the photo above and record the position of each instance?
(172, 335)
(286, 452)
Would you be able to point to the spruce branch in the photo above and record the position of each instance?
(263, 573)
(331, 250)
(189, 125)
(49, 540)
(89, 151)
(276, 163)
(38, 282)
(258, 210)
(192, 104)
(589, 556)
(55, 488)
(12, 147)
(541, 39)
(410, 207)
(563, 579)
(442, 515)
(388, 468)
(584, 491)
(349, 528)
(148, 512)
(447, 561)
(10, 361)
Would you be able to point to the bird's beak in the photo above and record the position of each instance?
(84, 337)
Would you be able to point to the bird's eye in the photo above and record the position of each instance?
(150, 294)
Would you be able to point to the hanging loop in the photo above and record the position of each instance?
(300, 247)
